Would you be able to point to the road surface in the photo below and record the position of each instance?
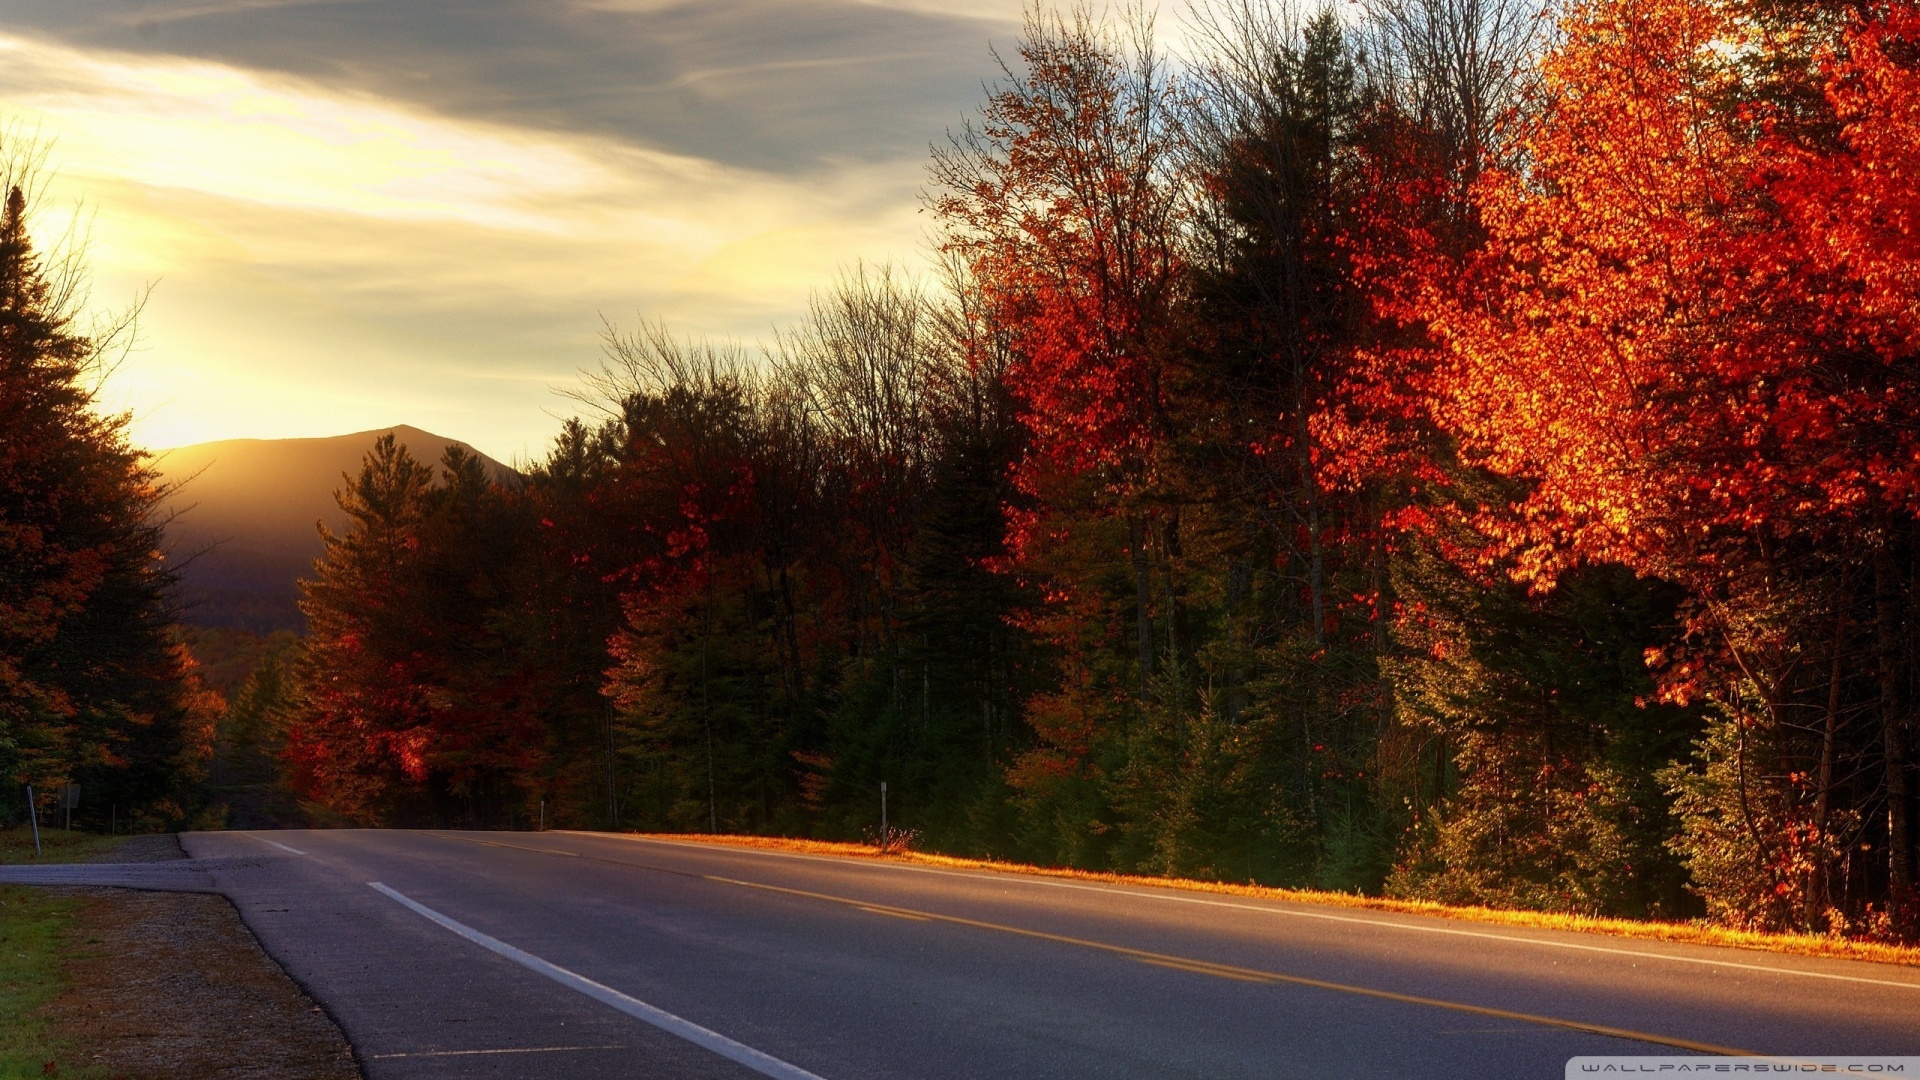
(446, 954)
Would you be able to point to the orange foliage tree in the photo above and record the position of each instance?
(1688, 334)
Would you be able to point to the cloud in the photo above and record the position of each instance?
(369, 212)
(774, 85)
(332, 260)
(234, 134)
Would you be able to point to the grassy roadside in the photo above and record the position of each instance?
(37, 937)
(1682, 933)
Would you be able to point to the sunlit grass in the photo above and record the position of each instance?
(1689, 933)
(37, 935)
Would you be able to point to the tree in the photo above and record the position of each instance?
(412, 709)
(1060, 211)
(94, 687)
(1661, 341)
(247, 778)
(362, 739)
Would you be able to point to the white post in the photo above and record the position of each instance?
(883, 815)
(33, 815)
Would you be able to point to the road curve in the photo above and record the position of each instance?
(587, 955)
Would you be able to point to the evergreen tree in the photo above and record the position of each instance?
(94, 687)
(411, 710)
(359, 745)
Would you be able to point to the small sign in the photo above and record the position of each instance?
(70, 799)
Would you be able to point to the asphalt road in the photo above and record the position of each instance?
(582, 955)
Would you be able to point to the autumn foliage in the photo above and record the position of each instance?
(1485, 478)
(1685, 332)
(95, 686)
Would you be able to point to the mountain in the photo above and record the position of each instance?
(240, 524)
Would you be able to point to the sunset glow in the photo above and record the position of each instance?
(328, 256)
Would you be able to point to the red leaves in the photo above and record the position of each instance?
(1678, 329)
(1062, 216)
(1693, 334)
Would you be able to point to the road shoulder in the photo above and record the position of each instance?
(160, 985)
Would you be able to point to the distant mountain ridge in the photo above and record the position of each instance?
(241, 522)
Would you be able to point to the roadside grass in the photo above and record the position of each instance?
(37, 937)
(58, 845)
(1687, 933)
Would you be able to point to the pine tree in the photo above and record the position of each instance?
(94, 687)
(360, 742)
(412, 709)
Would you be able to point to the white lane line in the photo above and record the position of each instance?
(509, 1050)
(275, 843)
(764, 1064)
(1546, 943)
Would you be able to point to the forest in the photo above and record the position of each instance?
(1441, 449)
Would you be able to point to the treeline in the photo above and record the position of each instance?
(755, 589)
(1455, 454)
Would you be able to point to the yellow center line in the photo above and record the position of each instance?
(516, 847)
(1228, 971)
(1198, 968)
(915, 916)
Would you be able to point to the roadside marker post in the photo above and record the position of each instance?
(70, 800)
(883, 815)
(33, 815)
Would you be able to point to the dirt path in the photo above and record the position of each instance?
(172, 986)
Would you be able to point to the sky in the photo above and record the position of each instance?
(359, 213)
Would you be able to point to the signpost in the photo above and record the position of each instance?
(883, 815)
(70, 799)
(33, 815)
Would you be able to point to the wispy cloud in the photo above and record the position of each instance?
(331, 256)
(365, 212)
(775, 85)
(238, 135)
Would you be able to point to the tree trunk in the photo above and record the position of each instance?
(706, 710)
(1239, 591)
(1316, 563)
(1170, 551)
(1381, 640)
(1143, 598)
(1887, 589)
(1818, 894)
